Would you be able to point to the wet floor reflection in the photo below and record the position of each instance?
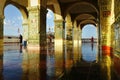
(19, 63)
(89, 52)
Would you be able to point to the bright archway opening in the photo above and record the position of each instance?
(50, 26)
(12, 23)
(89, 43)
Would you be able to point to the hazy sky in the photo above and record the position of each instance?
(13, 22)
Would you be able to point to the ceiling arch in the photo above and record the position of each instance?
(81, 7)
(85, 22)
(22, 9)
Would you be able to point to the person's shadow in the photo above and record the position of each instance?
(20, 48)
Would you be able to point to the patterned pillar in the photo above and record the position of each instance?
(25, 30)
(37, 27)
(1, 46)
(33, 29)
(106, 20)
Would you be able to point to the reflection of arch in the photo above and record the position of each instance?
(22, 9)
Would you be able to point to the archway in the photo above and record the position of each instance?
(50, 26)
(89, 43)
(12, 23)
(12, 29)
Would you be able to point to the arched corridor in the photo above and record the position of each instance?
(68, 56)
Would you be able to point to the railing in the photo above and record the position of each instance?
(88, 40)
(11, 39)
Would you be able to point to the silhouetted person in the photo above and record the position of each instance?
(21, 38)
(92, 40)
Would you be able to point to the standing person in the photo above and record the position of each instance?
(92, 39)
(21, 38)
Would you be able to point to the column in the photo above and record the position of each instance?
(1, 46)
(25, 30)
(106, 20)
(75, 44)
(69, 44)
(43, 37)
(59, 46)
(34, 26)
(43, 44)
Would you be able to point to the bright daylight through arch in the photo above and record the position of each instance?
(88, 31)
(12, 21)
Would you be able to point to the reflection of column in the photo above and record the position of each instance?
(79, 42)
(75, 44)
(25, 29)
(107, 19)
(30, 65)
(1, 46)
(59, 46)
(69, 45)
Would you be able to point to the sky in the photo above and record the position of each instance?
(13, 22)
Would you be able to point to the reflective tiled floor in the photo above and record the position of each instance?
(18, 63)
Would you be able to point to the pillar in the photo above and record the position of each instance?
(37, 27)
(43, 43)
(106, 20)
(75, 44)
(25, 30)
(69, 44)
(1, 46)
(34, 26)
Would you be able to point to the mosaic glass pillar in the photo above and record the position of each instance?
(106, 20)
(25, 30)
(33, 29)
(1, 46)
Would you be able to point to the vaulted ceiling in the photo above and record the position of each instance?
(84, 11)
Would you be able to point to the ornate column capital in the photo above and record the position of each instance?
(33, 8)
